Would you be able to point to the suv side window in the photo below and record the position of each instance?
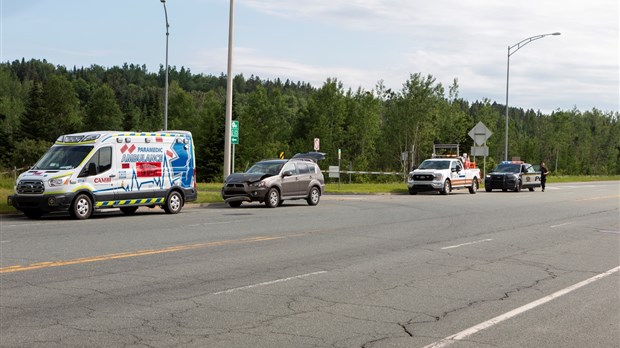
(311, 168)
(289, 168)
(530, 169)
(303, 168)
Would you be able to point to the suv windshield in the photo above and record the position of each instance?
(434, 165)
(63, 157)
(271, 168)
(507, 168)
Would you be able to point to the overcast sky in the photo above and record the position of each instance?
(359, 42)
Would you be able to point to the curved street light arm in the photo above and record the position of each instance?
(524, 42)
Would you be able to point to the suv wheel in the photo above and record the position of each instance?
(518, 186)
(314, 196)
(273, 198)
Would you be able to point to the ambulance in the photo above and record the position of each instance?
(86, 172)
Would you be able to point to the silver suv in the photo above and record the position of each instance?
(273, 181)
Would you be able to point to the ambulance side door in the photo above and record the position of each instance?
(99, 173)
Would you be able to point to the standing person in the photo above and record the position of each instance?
(543, 175)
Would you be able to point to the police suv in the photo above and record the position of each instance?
(512, 175)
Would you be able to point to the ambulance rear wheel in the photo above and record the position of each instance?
(129, 210)
(174, 203)
(82, 207)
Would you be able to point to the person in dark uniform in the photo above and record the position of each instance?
(543, 175)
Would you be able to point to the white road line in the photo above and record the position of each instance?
(268, 283)
(560, 225)
(5, 241)
(609, 231)
(211, 223)
(474, 329)
(460, 245)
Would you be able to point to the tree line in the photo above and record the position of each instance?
(373, 128)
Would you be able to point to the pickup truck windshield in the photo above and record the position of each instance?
(63, 157)
(435, 165)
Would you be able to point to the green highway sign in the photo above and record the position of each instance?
(234, 132)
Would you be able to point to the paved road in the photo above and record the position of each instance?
(528, 269)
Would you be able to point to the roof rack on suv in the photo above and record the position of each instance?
(312, 156)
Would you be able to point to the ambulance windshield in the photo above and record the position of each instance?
(63, 157)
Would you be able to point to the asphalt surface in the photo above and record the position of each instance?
(500, 269)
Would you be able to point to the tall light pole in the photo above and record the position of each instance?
(511, 50)
(229, 91)
(166, 86)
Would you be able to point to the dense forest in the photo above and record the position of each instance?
(40, 101)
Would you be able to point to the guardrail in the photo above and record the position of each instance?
(363, 172)
(14, 171)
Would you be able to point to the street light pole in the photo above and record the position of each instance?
(229, 92)
(166, 83)
(516, 47)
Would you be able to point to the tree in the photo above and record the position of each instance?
(52, 110)
(103, 112)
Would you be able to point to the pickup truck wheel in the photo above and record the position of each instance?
(488, 189)
(272, 199)
(447, 187)
(474, 186)
(531, 189)
(412, 192)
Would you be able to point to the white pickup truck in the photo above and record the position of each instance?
(443, 175)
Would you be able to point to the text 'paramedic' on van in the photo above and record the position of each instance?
(98, 170)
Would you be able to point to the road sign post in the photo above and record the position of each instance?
(480, 133)
(234, 140)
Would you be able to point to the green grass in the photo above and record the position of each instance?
(210, 192)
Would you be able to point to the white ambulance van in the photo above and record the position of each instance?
(90, 171)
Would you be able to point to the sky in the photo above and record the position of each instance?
(357, 42)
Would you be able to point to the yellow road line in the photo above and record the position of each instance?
(40, 265)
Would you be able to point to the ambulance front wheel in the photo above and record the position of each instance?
(82, 207)
(174, 203)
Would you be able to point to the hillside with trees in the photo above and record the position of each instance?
(40, 101)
